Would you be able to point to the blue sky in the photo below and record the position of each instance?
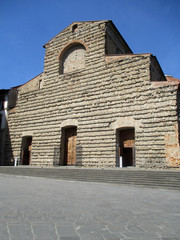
(148, 26)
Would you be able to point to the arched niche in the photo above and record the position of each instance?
(72, 57)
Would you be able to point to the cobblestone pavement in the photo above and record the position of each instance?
(42, 209)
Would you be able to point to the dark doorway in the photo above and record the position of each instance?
(125, 147)
(69, 136)
(26, 150)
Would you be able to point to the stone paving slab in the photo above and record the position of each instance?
(49, 209)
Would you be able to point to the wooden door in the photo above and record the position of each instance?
(70, 146)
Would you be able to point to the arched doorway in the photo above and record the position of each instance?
(26, 150)
(125, 140)
(68, 146)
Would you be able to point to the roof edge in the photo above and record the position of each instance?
(31, 79)
(73, 24)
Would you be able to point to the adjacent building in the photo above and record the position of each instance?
(3, 122)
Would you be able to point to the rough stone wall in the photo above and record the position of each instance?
(111, 47)
(155, 70)
(178, 110)
(111, 92)
(172, 139)
(115, 43)
(154, 106)
(32, 85)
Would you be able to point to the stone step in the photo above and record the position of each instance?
(138, 177)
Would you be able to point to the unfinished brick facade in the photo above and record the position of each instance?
(96, 104)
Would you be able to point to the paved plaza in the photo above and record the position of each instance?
(48, 209)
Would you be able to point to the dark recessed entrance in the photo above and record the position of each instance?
(26, 150)
(125, 147)
(68, 146)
